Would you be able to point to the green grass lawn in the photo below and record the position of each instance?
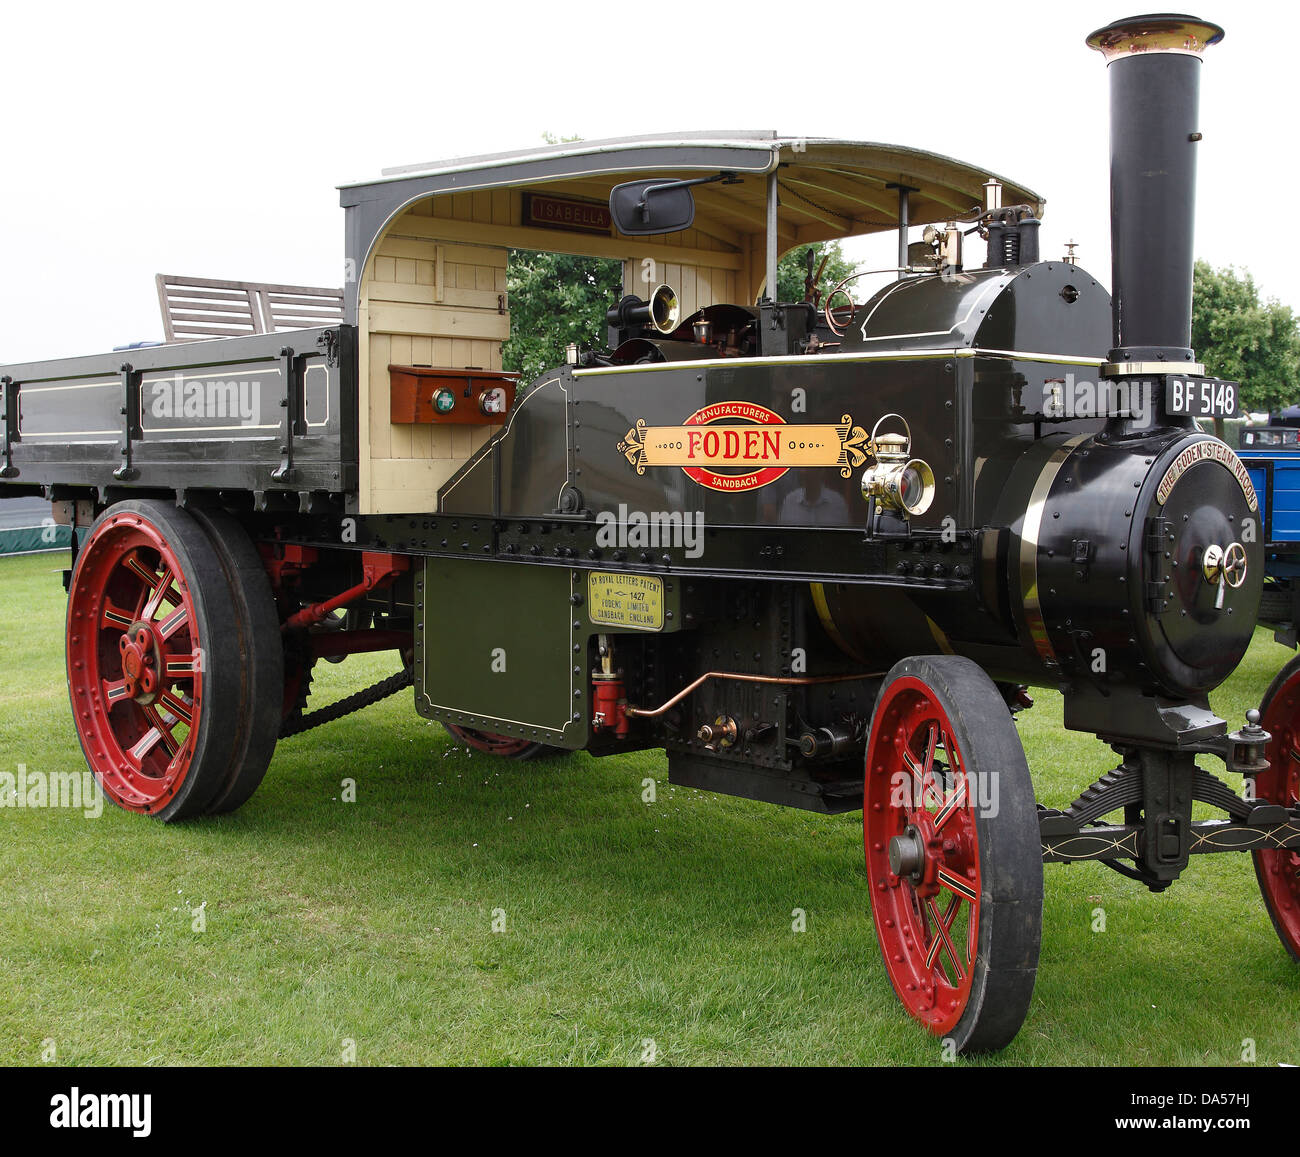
(372, 922)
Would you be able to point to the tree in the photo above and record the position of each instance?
(1244, 339)
(793, 267)
(556, 298)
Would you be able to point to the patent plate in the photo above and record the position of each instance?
(631, 601)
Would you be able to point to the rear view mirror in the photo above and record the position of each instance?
(654, 206)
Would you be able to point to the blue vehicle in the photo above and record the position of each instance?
(1271, 455)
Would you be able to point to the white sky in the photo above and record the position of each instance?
(207, 139)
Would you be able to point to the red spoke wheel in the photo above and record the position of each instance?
(490, 743)
(953, 854)
(1278, 869)
(153, 664)
(261, 670)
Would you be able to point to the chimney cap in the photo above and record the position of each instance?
(1158, 32)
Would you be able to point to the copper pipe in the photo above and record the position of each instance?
(788, 680)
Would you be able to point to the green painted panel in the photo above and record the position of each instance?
(496, 649)
(27, 539)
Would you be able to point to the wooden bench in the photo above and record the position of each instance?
(201, 308)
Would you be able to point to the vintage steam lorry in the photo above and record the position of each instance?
(816, 551)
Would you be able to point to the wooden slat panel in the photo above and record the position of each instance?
(440, 443)
(363, 408)
(377, 387)
(427, 294)
(276, 316)
(395, 474)
(399, 350)
(422, 320)
(704, 294)
(189, 329)
(200, 307)
(687, 292)
(464, 275)
(215, 316)
(421, 249)
(302, 300)
(501, 208)
(176, 294)
(302, 318)
(486, 354)
(406, 500)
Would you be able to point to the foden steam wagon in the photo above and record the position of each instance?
(815, 550)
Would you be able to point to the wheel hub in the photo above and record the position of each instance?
(141, 662)
(907, 854)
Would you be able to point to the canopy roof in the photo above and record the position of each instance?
(827, 188)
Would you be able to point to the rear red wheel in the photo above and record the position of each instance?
(1278, 870)
(952, 849)
(144, 642)
(490, 743)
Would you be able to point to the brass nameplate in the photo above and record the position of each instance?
(631, 601)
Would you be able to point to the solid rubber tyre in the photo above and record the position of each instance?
(261, 673)
(947, 790)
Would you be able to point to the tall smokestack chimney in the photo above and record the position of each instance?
(1154, 64)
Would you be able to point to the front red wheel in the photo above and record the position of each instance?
(1278, 870)
(953, 856)
(490, 743)
(158, 731)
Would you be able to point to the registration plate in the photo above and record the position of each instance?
(1202, 397)
(631, 601)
